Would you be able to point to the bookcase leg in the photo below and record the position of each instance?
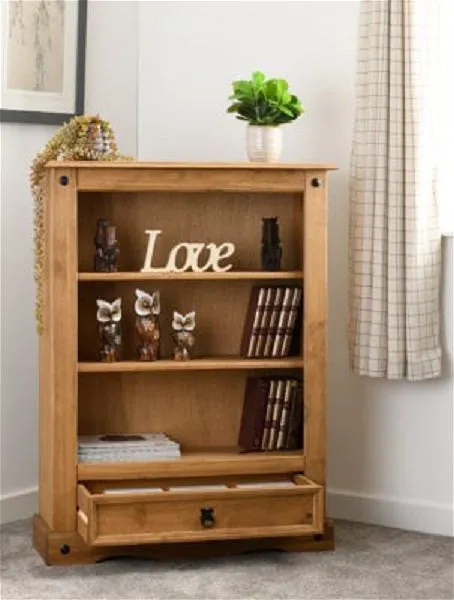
(66, 548)
(314, 543)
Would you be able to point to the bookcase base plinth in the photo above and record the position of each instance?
(68, 548)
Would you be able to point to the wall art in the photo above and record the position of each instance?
(42, 60)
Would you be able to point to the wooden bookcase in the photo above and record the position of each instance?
(198, 402)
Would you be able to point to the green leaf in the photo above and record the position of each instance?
(264, 102)
(286, 111)
(258, 79)
(271, 90)
(234, 107)
(242, 88)
(283, 85)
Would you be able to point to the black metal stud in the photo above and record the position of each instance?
(65, 549)
(64, 180)
(316, 182)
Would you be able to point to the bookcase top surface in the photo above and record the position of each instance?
(133, 164)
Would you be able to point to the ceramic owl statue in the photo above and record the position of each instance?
(183, 334)
(147, 308)
(109, 330)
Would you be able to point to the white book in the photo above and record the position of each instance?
(132, 440)
(135, 451)
(128, 456)
(114, 459)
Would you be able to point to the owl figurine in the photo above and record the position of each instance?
(109, 330)
(183, 327)
(147, 308)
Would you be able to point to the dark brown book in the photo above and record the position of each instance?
(291, 321)
(264, 322)
(269, 413)
(253, 417)
(290, 384)
(277, 411)
(252, 321)
(294, 435)
(281, 325)
(272, 329)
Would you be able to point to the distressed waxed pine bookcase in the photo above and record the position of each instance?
(198, 402)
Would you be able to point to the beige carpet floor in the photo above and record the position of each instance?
(369, 563)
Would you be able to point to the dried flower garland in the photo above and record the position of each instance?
(83, 138)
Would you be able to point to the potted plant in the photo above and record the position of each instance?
(265, 105)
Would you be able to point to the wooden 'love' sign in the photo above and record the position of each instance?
(192, 251)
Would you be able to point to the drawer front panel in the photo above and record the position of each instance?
(168, 517)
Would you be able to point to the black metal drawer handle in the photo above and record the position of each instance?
(207, 518)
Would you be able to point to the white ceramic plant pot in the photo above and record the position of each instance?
(264, 143)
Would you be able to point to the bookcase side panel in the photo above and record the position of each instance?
(314, 335)
(58, 373)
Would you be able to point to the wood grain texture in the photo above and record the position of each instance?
(199, 403)
(220, 317)
(58, 370)
(247, 166)
(197, 364)
(202, 462)
(264, 276)
(315, 318)
(191, 180)
(175, 516)
(48, 544)
(199, 411)
(190, 217)
(46, 404)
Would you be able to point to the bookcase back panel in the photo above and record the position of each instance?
(220, 314)
(190, 217)
(198, 411)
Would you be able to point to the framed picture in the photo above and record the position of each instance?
(42, 60)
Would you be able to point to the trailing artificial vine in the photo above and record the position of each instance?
(83, 138)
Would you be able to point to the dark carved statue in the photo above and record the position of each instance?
(271, 245)
(106, 244)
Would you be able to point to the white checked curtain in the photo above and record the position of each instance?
(395, 242)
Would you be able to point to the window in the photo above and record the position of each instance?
(443, 82)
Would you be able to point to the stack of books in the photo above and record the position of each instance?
(271, 321)
(272, 417)
(126, 447)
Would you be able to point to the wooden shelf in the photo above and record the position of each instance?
(196, 364)
(165, 165)
(197, 462)
(190, 276)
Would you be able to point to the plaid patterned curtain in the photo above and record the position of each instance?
(395, 244)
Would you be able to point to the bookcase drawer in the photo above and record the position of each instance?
(244, 509)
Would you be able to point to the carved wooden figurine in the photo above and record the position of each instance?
(106, 244)
(147, 308)
(109, 330)
(271, 245)
(183, 327)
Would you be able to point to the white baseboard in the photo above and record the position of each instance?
(19, 505)
(402, 513)
(426, 517)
